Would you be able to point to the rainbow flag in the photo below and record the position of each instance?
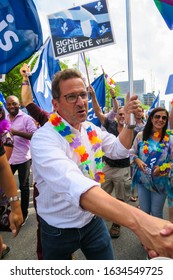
(165, 7)
(110, 81)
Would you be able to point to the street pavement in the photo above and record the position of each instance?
(23, 247)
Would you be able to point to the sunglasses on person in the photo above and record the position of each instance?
(157, 117)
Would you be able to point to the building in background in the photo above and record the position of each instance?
(146, 98)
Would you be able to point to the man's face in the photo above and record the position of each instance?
(73, 112)
(120, 116)
(139, 113)
(12, 105)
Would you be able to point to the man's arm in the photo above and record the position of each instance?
(148, 228)
(36, 112)
(26, 93)
(127, 134)
(22, 134)
(114, 100)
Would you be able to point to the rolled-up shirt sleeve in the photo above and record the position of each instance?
(112, 146)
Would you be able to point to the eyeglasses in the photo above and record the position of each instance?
(73, 98)
(157, 117)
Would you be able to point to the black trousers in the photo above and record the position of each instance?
(24, 184)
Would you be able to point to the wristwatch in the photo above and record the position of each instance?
(128, 126)
(13, 198)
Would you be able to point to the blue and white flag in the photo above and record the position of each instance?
(169, 87)
(80, 28)
(155, 103)
(99, 87)
(41, 77)
(20, 32)
(2, 99)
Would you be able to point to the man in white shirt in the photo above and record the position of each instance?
(67, 164)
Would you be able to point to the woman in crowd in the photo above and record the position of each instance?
(153, 158)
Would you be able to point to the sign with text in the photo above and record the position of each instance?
(80, 28)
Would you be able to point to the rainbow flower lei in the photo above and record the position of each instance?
(165, 167)
(75, 143)
(162, 145)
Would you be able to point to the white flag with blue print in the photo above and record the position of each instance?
(42, 75)
(80, 28)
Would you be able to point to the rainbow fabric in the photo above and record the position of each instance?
(165, 7)
(161, 144)
(110, 81)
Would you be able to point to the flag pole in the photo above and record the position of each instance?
(86, 68)
(129, 54)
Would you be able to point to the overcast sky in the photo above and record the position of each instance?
(152, 42)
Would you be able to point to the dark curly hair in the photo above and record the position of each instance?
(147, 132)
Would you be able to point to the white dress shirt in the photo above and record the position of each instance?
(60, 181)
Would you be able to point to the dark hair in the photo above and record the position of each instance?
(3, 113)
(62, 76)
(149, 126)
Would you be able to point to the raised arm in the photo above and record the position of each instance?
(127, 133)
(114, 100)
(36, 112)
(26, 93)
(112, 114)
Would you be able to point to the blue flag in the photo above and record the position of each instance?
(41, 77)
(169, 88)
(99, 87)
(20, 32)
(155, 103)
(2, 99)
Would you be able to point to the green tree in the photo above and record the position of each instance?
(13, 80)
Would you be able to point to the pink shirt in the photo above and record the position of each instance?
(21, 151)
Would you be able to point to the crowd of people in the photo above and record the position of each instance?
(83, 173)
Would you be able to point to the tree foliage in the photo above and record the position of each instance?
(12, 83)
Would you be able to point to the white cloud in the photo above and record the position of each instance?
(152, 42)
